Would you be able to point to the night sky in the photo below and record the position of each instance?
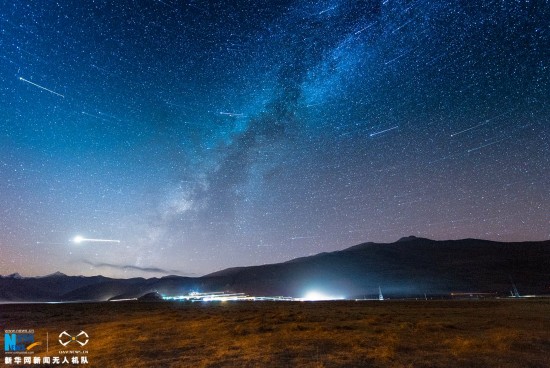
(198, 135)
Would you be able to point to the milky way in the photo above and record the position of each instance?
(209, 134)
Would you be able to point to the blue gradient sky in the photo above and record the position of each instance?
(205, 135)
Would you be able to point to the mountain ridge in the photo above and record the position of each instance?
(410, 266)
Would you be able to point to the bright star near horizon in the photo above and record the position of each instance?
(79, 239)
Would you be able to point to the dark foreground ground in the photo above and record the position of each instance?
(491, 333)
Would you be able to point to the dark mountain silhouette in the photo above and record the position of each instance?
(409, 267)
(47, 288)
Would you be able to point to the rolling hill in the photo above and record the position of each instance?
(407, 268)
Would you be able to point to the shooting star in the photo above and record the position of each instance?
(365, 28)
(482, 123)
(41, 87)
(94, 116)
(403, 25)
(168, 5)
(485, 145)
(98, 68)
(465, 130)
(79, 239)
(397, 57)
(383, 131)
(327, 10)
(232, 114)
(303, 237)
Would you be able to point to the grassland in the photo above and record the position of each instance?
(489, 333)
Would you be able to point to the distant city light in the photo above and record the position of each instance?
(312, 296)
(221, 296)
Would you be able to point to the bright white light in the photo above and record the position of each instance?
(79, 239)
(312, 296)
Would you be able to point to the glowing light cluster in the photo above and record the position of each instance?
(313, 295)
(222, 296)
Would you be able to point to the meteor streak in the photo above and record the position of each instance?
(93, 116)
(80, 239)
(383, 131)
(482, 123)
(231, 114)
(41, 87)
(327, 10)
(465, 130)
(367, 27)
(485, 145)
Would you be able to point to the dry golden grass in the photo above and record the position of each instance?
(490, 333)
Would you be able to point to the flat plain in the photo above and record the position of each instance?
(453, 333)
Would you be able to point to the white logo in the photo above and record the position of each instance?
(65, 338)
